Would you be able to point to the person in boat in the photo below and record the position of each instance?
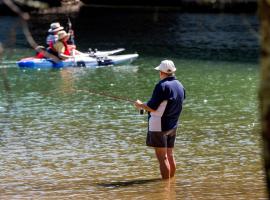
(50, 40)
(53, 36)
(60, 48)
(53, 33)
(71, 40)
(164, 109)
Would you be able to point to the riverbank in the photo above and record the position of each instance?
(191, 6)
(210, 6)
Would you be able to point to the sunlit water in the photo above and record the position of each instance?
(60, 141)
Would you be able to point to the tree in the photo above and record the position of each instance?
(264, 92)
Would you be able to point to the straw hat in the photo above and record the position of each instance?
(166, 66)
(54, 27)
(62, 34)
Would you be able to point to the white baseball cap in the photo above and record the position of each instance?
(166, 66)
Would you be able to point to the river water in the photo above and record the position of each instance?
(58, 141)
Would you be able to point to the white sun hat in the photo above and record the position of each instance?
(54, 27)
(166, 66)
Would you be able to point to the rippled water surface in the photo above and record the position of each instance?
(60, 141)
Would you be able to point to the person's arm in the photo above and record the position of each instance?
(153, 104)
(60, 48)
(140, 105)
(71, 38)
(64, 56)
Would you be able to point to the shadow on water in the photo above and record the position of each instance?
(7, 88)
(127, 183)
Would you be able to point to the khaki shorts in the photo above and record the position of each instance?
(164, 139)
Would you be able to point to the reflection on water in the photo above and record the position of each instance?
(58, 141)
(127, 183)
(205, 36)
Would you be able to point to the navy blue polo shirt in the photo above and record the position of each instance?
(166, 100)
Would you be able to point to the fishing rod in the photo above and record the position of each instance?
(112, 97)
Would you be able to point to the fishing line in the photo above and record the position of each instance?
(108, 95)
(111, 96)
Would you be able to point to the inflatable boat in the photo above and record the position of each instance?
(89, 60)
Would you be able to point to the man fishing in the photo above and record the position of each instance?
(164, 109)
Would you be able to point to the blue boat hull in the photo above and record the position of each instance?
(79, 61)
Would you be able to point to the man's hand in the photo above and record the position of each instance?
(138, 104)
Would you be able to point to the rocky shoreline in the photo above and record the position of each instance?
(235, 6)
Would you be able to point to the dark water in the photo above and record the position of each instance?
(58, 141)
(232, 37)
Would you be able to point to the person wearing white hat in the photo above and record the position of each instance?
(164, 109)
(167, 67)
(60, 48)
(53, 31)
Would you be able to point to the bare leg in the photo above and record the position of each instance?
(164, 165)
(171, 161)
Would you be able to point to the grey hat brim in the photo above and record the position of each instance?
(158, 69)
(55, 30)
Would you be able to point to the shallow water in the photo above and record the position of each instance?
(59, 141)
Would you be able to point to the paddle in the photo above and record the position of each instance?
(71, 31)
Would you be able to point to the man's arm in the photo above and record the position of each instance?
(140, 105)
